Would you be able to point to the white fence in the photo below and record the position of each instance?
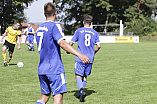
(103, 39)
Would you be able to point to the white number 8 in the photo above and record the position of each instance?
(87, 39)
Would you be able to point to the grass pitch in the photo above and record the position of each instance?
(121, 74)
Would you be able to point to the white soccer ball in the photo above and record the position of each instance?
(20, 64)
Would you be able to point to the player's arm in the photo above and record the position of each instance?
(70, 43)
(3, 36)
(98, 46)
(31, 33)
(64, 45)
(20, 39)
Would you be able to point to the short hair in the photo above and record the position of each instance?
(15, 22)
(49, 9)
(87, 19)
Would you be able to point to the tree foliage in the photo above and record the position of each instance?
(136, 14)
(11, 10)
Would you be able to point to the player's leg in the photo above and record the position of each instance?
(58, 88)
(32, 41)
(79, 72)
(11, 50)
(28, 43)
(33, 47)
(45, 89)
(58, 99)
(84, 81)
(43, 99)
(87, 73)
(79, 81)
(4, 48)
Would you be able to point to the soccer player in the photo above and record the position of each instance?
(86, 38)
(50, 69)
(13, 32)
(30, 39)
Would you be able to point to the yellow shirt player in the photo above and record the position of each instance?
(10, 42)
(12, 35)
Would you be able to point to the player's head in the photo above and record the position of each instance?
(16, 25)
(49, 9)
(29, 25)
(87, 19)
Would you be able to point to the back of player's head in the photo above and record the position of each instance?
(88, 19)
(49, 9)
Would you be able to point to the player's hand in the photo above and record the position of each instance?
(18, 47)
(84, 59)
(1, 40)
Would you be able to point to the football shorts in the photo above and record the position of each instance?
(53, 83)
(83, 69)
(10, 46)
(30, 39)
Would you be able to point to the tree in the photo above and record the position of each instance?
(12, 10)
(107, 11)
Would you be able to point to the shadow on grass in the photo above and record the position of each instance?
(12, 64)
(88, 92)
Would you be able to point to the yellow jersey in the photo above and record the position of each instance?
(12, 35)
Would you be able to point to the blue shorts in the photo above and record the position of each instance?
(30, 39)
(53, 83)
(83, 69)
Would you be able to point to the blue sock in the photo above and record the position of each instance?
(39, 102)
(33, 47)
(84, 83)
(79, 83)
(29, 46)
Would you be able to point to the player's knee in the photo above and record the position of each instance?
(4, 49)
(10, 54)
(58, 99)
(45, 97)
(27, 43)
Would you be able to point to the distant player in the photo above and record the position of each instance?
(86, 38)
(50, 69)
(10, 42)
(30, 37)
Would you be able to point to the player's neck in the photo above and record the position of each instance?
(50, 19)
(14, 27)
(86, 25)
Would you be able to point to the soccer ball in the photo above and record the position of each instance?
(20, 64)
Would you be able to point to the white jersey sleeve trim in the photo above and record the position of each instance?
(72, 41)
(60, 40)
(97, 42)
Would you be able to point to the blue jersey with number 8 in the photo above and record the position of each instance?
(48, 36)
(86, 38)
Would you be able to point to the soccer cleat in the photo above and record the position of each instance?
(82, 96)
(29, 49)
(6, 64)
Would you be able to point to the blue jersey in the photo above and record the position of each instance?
(86, 38)
(31, 30)
(48, 36)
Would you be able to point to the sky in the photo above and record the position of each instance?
(35, 12)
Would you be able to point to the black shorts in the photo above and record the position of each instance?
(10, 46)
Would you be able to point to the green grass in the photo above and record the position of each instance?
(121, 74)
